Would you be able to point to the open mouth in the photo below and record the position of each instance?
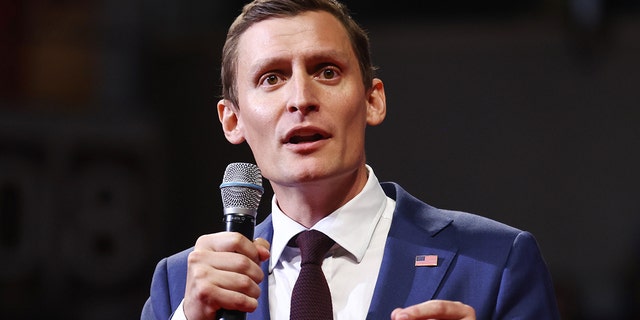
(305, 138)
(305, 135)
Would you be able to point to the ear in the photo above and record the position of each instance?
(228, 115)
(376, 103)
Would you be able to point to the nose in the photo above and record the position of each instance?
(304, 109)
(302, 95)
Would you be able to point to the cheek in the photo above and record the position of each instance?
(355, 114)
(258, 128)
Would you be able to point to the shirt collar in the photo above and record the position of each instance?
(350, 226)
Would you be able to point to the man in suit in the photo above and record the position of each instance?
(299, 88)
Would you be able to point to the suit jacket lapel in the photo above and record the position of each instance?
(262, 312)
(414, 231)
(265, 231)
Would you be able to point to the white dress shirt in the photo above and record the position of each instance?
(359, 228)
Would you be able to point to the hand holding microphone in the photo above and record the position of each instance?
(223, 270)
(241, 190)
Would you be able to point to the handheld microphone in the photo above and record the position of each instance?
(241, 190)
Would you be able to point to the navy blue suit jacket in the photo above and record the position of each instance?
(496, 269)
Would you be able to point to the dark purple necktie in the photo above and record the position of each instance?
(311, 298)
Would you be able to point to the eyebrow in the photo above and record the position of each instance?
(316, 56)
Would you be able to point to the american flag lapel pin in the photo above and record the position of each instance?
(430, 260)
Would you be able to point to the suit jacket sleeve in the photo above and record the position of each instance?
(526, 289)
(167, 287)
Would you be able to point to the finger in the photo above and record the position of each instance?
(237, 301)
(263, 247)
(208, 262)
(230, 281)
(209, 288)
(435, 309)
(204, 299)
(228, 242)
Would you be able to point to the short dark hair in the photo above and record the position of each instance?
(259, 10)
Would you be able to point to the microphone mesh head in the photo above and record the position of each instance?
(248, 191)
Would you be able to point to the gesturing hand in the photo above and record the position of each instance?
(435, 310)
(223, 272)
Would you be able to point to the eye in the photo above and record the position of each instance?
(329, 73)
(270, 80)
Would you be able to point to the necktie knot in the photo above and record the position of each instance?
(313, 245)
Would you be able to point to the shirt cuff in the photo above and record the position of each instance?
(179, 313)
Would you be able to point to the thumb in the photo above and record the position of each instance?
(263, 247)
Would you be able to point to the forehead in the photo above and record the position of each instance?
(308, 33)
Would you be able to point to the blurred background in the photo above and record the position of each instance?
(111, 153)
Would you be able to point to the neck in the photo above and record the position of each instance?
(310, 202)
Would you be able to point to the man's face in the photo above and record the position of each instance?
(303, 108)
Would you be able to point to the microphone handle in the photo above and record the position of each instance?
(245, 224)
(231, 315)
